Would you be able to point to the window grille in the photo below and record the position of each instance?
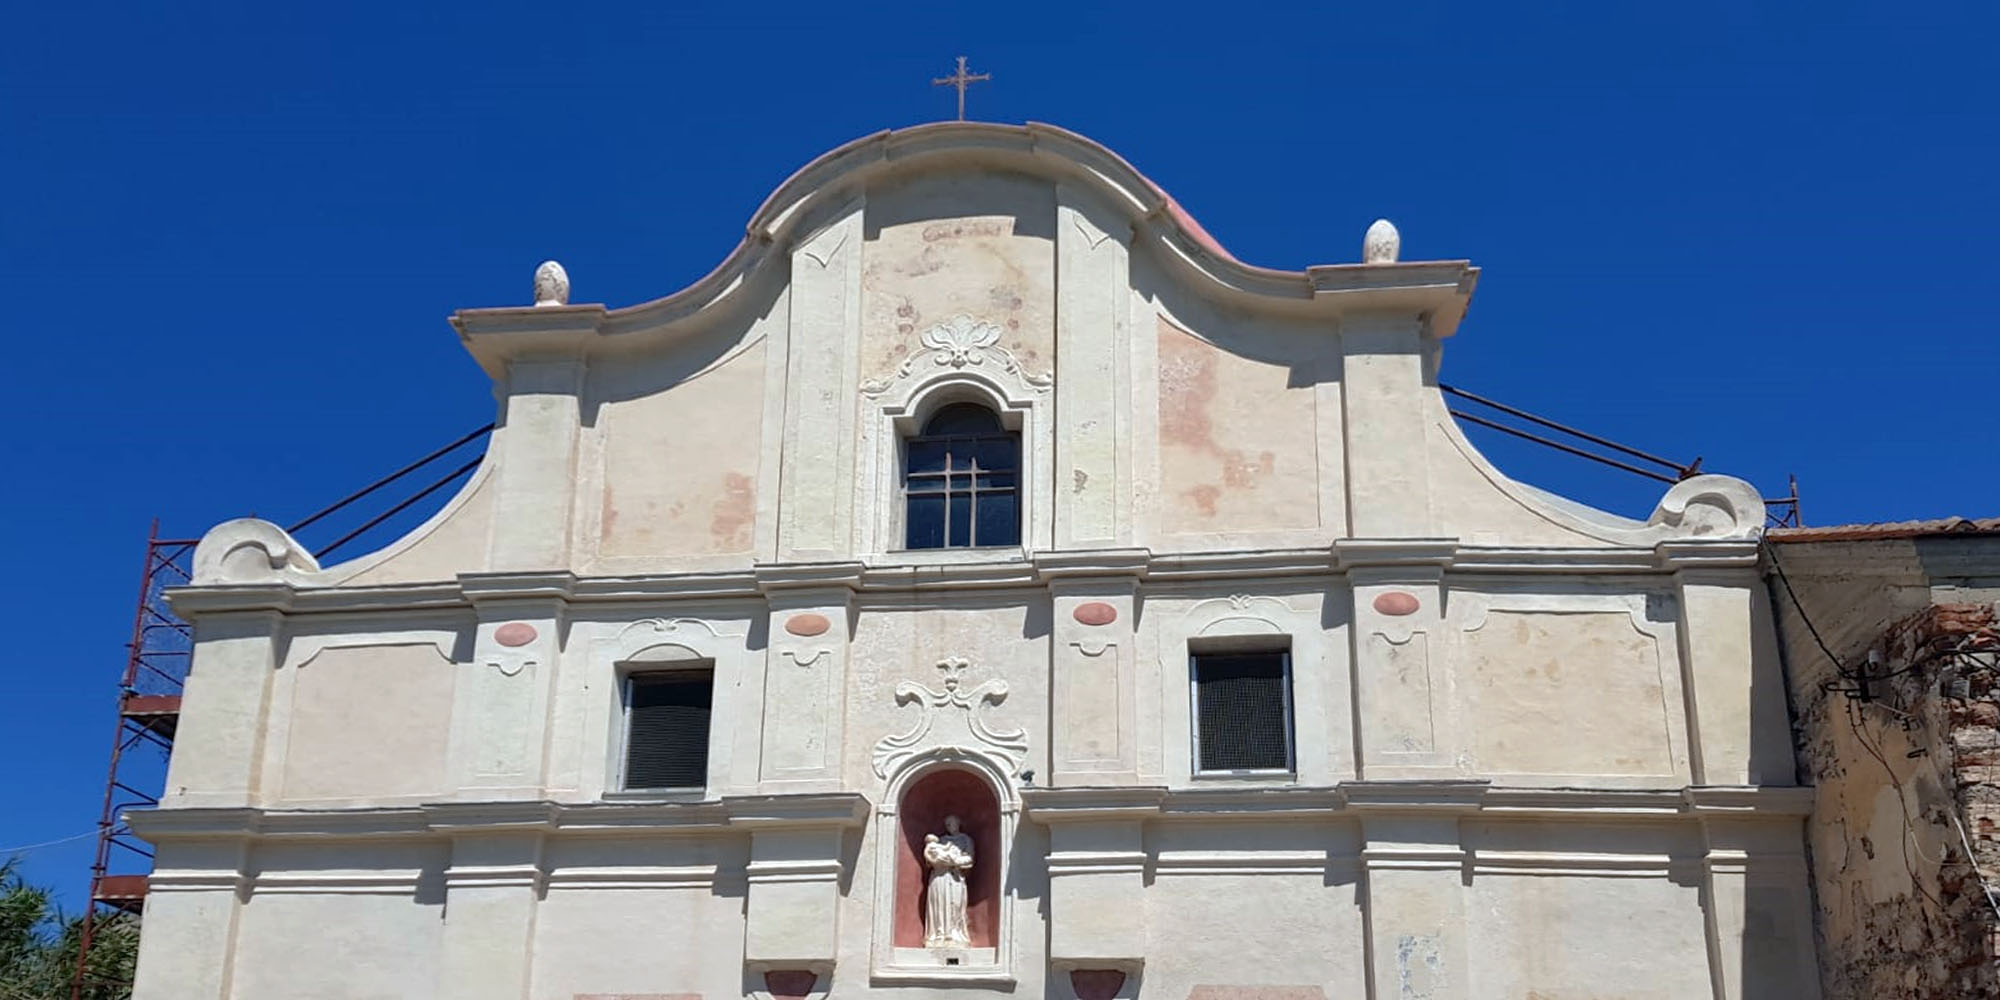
(1243, 711)
(961, 481)
(666, 729)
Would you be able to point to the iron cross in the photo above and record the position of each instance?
(959, 80)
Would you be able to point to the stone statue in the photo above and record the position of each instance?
(949, 857)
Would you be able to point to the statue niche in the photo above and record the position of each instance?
(947, 877)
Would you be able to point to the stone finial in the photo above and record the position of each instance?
(1383, 244)
(552, 284)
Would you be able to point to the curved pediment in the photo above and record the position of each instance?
(1124, 201)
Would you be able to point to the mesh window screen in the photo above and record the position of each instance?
(666, 745)
(1240, 703)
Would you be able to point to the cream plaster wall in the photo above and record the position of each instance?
(1238, 441)
(1525, 732)
(366, 723)
(977, 243)
(337, 946)
(673, 487)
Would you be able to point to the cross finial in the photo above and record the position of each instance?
(960, 79)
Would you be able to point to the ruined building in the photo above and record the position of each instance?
(1893, 655)
(980, 585)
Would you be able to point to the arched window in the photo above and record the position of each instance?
(961, 481)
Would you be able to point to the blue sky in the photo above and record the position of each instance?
(1759, 233)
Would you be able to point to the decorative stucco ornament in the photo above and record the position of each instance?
(551, 284)
(1383, 244)
(951, 722)
(961, 343)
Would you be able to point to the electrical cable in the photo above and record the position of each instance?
(8, 851)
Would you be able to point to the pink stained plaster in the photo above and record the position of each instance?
(1095, 613)
(807, 624)
(1256, 993)
(515, 634)
(636, 996)
(1396, 602)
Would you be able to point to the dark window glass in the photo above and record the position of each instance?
(961, 481)
(1243, 711)
(666, 738)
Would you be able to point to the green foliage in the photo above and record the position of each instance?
(38, 946)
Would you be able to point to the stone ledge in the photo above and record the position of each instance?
(729, 813)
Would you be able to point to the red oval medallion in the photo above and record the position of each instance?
(514, 634)
(1396, 602)
(1095, 613)
(807, 624)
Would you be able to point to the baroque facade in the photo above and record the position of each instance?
(981, 518)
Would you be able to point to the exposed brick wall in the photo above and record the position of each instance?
(1907, 763)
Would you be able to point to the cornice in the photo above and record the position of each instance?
(1359, 553)
(1091, 563)
(837, 810)
(1752, 800)
(1474, 797)
(1038, 570)
(1079, 805)
(772, 577)
(483, 587)
(832, 809)
(1681, 555)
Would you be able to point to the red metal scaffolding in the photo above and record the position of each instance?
(149, 706)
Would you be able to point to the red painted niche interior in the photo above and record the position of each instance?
(790, 984)
(940, 793)
(1096, 984)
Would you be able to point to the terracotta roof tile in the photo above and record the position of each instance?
(1887, 529)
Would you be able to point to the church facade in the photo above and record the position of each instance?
(983, 584)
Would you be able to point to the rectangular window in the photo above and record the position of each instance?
(1242, 711)
(666, 729)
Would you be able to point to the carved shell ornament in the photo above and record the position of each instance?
(961, 343)
(952, 721)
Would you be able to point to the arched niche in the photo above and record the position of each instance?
(938, 793)
(921, 792)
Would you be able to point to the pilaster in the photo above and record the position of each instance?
(1388, 476)
(1093, 478)
(536, 451)
(1738, 727)
(815, 509)
(1413, 862)
(791, 918)
(194, 900)
(491, 888)
(1756, 904)
(225, 707)
(1097, 875)
(1094, 684)
(1404, 725)
(501, 713)
(805, 675)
